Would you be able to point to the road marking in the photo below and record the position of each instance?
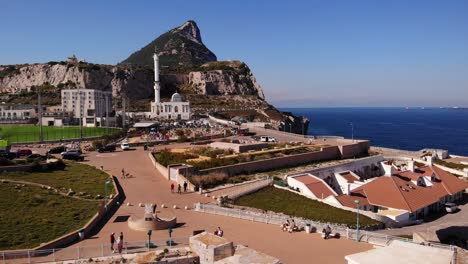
(106, 155)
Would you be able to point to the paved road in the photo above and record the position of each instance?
(148, 186)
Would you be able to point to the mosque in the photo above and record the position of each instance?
(176, 109)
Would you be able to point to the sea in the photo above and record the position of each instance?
(400, 128)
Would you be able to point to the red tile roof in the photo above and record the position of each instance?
(400, 192)
(349, 177)
(317, 186)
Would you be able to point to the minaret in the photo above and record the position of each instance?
(157, 99)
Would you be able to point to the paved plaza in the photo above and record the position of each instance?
(148, 186)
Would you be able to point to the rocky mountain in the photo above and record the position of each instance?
(179, 47)
(225, 87)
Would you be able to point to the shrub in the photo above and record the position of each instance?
(209, 180)
(5, 162)
(165, 157)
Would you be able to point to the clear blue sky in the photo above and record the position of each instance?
(303, 53)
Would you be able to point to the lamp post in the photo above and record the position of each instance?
(105, 191)
(290, 130)
(352, 131)
(357, 220)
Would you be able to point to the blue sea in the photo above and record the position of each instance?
(409, 129)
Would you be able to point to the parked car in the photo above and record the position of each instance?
(36, 156)
(9, 155)
(107, 148)
(71, 151)
(24, 152)
(57, 150)
(267, 139)
(451, 208)
(72, 156)
(124, 146)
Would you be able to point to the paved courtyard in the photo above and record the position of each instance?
(148, 186)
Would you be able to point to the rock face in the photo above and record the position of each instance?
(179, 47)
(135, 83)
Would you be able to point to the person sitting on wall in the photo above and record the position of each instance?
(292, 227)
(285, 226)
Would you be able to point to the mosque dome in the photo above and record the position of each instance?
(176, 97)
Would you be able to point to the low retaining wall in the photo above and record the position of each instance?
(453, 171)
(22, 168)
(327, 153)
(160, 168)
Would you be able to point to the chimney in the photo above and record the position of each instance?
(429, 160)
(411, 165)
(387, 167)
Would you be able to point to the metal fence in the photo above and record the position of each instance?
(278, 219)
(86, 252)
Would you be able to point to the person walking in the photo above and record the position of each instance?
(121, 236)
(119, 245)
(185, 186)
(123, 173)
(112, 241)
(179, 189)
(172, 187)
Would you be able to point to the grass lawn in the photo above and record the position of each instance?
(78, 177)
(277, 200)
(30, 133)
(31, 215)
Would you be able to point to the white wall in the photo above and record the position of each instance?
(302, 188)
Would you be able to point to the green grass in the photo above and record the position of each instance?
(78, 177)
(452, 165)
(30, 133)
(277, 200)
(31, 216)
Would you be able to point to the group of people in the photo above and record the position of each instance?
(289, 226)
(179, 187)
(219, 232)
(119, 242)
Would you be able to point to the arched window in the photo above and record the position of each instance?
(176, 109)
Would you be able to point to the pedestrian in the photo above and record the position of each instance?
(123, 173)
(112, 241)
(179, 189)
(119, 245)
(185, 186)
(172, 187)
(121, 236)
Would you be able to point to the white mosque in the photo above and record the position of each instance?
(176, 109)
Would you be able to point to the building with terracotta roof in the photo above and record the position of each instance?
(310, 186)
(406, 195)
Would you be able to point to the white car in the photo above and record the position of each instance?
(267, 139)
(124, 146)
(451, 207)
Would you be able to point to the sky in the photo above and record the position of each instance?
(303, 53)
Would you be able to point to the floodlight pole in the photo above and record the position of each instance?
(357, 220)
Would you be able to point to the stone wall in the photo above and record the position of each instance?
(327, 153)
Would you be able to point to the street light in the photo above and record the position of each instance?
(352, 131)
(105, 190)
(290, 130)
(357, 220)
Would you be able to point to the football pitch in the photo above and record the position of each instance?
(31, 133)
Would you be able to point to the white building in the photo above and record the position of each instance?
(176, 109)
(310, 186)
(89, 104)
(9, 112)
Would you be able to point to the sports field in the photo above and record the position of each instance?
(31, 133)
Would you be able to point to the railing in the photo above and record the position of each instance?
(86, 252)
(278, 219)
